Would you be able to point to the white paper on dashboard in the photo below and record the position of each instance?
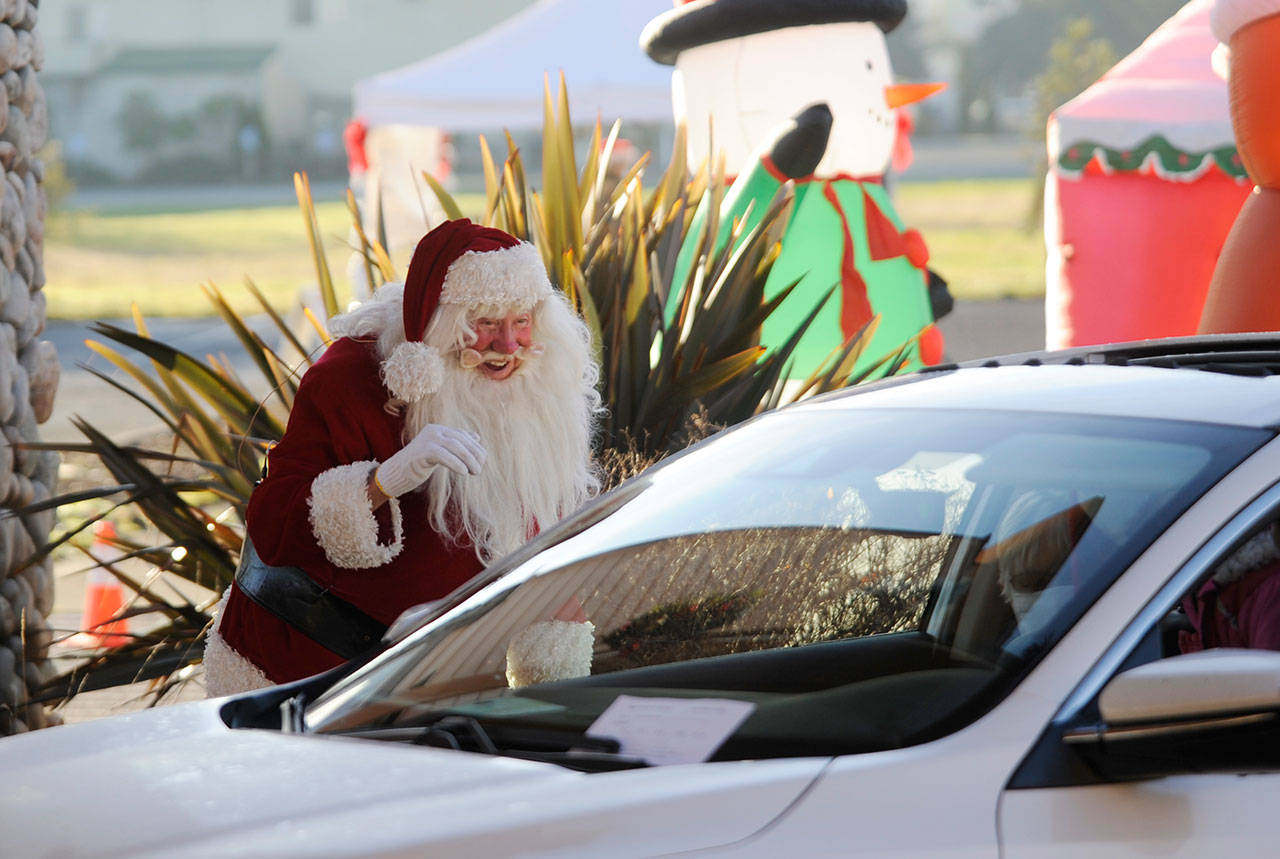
(670, 730)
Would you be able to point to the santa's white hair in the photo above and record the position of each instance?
(536, 426)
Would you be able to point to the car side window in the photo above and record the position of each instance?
(1234, 603)
(1231, 600)
(1238, 603)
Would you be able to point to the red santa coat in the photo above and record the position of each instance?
(311, 512)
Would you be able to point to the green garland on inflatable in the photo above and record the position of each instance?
(1155, 152)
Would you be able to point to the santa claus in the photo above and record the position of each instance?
(448, 423)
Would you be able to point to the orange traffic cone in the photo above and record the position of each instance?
(104, 596)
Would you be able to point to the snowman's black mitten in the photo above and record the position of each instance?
(801, 141)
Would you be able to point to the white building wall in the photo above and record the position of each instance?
(161, 22)
(304, 86)
(174, 95)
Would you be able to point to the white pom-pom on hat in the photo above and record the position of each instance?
(413, 371)
(1227, 16)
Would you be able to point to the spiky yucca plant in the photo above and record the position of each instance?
(612, 251)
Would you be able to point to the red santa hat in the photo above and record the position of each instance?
(466, 264)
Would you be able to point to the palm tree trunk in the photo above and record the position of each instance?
(28, 376)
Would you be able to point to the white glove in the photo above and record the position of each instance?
(407, 468)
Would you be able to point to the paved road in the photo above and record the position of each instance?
(972, 156)
(973, 330)
(980, 329)
(935, 156)
(81, 393)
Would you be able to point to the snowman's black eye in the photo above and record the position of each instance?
(868, 65)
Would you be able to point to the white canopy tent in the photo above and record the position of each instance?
(495, 81)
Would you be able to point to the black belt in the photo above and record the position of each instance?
(298, 600)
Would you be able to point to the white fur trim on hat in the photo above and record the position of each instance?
(550, 650)
(512, 277)
(343, 521)
(412, 371)
(1227, 16)
(226, 672)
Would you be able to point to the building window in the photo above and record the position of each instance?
(302, 11)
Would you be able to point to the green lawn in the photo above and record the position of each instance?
(99, 263)
(978, 236)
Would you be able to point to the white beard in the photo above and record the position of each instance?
(536, 435)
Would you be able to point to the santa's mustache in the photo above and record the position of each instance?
(472, 358)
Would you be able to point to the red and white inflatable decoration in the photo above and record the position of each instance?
(1144, 184)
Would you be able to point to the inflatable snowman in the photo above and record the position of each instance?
(801, 90)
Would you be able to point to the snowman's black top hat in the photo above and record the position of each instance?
(704, 21)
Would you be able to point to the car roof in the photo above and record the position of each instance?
(1223, 379)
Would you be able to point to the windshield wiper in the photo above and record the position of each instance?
(564, 747)
(586, 759)
(449, 732)
(588, 754)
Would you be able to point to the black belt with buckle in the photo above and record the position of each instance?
(300, 601)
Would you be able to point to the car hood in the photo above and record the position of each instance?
(176, 779)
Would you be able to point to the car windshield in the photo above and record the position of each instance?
(865, 578)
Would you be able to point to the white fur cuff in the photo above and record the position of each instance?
(412, 371)
(550, 650)
(1227, 16)
(343, 521)
(225, 671)
(510, 278)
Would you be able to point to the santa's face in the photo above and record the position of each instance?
(500, 342)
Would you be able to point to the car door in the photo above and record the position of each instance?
(1197, 788)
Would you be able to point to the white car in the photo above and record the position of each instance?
(934, 616)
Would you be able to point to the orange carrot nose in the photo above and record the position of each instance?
(901, 95)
